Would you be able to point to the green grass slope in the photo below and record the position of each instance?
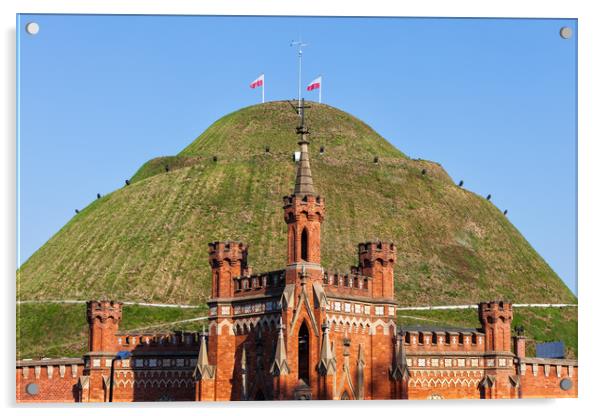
(60, 330)
(148, 241)
(52, 330)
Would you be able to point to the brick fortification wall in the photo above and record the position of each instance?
(545, 378)
(49, 380)
(157, 366)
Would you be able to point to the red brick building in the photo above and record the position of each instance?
(300, 333)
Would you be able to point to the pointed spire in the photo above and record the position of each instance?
(399, 371)
(203, 370)
(361, 360)
(304, 184)
(280, 364)
(361, 363)
(327, 364)
(203, 358)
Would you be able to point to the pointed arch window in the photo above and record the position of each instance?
(303, 353)
(304, 245)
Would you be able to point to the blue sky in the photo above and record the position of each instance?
(492, 100)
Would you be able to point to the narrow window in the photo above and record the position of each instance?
(304, 242)
(303, 345)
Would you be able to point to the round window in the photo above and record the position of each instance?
(566, 384)
(32, 389)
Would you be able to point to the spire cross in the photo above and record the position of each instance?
(301, 129)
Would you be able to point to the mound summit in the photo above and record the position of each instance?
(148, 241)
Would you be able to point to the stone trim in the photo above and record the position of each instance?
(339, 296)
(51, 361)
(552, 361)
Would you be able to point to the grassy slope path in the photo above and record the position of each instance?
(54, 330)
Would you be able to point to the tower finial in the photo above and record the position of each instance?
(304, 184)
(280, 364)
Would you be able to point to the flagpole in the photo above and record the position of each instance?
(263, 90)
(320, 92)
(300, 54)
(299, 44)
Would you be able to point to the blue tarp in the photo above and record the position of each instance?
(550, 350)
(121, 355)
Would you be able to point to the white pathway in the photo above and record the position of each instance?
(201, 318)
(401, 308)
(156, 305)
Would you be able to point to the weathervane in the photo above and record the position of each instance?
(299, 44)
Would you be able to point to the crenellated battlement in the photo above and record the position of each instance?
(158, 341)
(348, 283)
(258, 283)
(315, 202)
(103, 311)
(496, 308)
(50, 368)
(444, 340)
(227, 259)
(370, 252)
(230, 251)
(376, 259)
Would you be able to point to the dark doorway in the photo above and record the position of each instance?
(303, 345)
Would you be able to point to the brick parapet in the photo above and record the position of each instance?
(54, 380)
(547, 378)
(259, 284)
(376, 259)
(352, 283)
(439, 341)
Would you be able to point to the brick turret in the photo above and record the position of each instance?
(303, 215)
(228, 259)
(496, 320)
(104, 317)
(304, 209)
(376, 259)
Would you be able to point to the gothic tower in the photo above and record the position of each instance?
(303, 213)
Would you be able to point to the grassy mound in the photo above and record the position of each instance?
(148, 241)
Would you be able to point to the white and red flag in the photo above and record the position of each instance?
(316, 84)
(259, 82)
